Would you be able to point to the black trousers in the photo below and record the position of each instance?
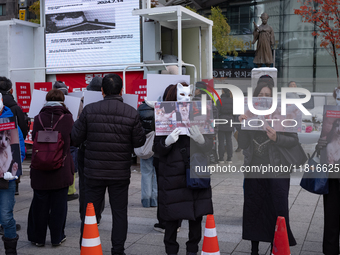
(48, 208)
(118, 197)
(170, 236)
(81, 188)
(156, 165)
(331, 205)
(225, 135)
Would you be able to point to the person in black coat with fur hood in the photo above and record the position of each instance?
(265, 195)
(176, 201)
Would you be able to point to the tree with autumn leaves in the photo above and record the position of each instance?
(325, 14)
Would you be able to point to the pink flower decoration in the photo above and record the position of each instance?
(309, 129)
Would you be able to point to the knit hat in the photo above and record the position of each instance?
(61, 86)
(95, 84)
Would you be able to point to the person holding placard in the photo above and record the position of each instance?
(23, 121)
(176, 200)
(7, 186)
(265, 194)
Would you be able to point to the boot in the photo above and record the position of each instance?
(10, 245)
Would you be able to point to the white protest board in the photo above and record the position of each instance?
(256, 73)
(72, 104)
(92, 97)
(95, 96)
(39, 100)
(157, 83)
(37, 103)
(130, 99)
(76, 94)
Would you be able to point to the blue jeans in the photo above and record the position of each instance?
(7, 202)
(149, 182)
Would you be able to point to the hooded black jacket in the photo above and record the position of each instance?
(111, 130)
(146, 114)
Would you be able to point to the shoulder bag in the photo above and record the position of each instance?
(196, 178)
(145, 151)
(315, 181)
(295, 155)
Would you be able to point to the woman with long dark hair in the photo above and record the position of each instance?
(265, 195)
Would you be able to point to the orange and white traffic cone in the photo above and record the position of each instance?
(90, 244)
(281, 243)
(210, 242)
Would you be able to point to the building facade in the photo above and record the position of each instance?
(8, 9)
(298, 55)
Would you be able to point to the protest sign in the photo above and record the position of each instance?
(182, 115)
(10, 157)
(331, 133)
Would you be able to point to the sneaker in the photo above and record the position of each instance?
(72, 197)
(62, 240)
(238, 149)
(179, 228)
(158, 227)
(38, 244)
(221, 161)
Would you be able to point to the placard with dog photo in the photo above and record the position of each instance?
(182, 115)
(331, 133)
(10, 159)
(291, 122)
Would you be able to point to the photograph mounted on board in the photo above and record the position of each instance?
(331, 132)
(182, 115)
(10, 159)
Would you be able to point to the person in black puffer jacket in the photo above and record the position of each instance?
(112, 130)
(176, 201)
(147, 169)
(225, 131)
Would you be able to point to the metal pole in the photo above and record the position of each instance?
(210, 59)
(179, 33)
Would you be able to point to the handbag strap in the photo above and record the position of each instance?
(316, 151)
(54, 124)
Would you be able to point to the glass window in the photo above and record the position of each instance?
(300, 57)
(299, 72)
(323, 58)
(296, 40)
(2, 9)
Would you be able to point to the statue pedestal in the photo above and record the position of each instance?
(256, 73)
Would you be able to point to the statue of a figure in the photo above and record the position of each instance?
(264, 35)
